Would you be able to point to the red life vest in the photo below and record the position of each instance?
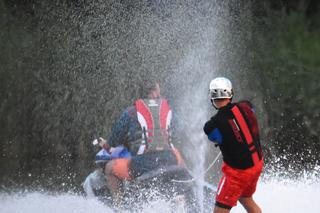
(154, 116)
(245, 120)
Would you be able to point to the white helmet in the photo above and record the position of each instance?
(220, 88)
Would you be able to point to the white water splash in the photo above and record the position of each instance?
(284, 196)
(287, 196)
(39, 202)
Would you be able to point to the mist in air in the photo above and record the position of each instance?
(71, 67)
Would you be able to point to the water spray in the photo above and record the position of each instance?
(213, 163)
(204, 183)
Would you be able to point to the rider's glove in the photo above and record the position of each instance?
(103, 144)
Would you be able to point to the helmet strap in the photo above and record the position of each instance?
(212, 102)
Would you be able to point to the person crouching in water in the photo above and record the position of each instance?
(144, 128)
(235, 130)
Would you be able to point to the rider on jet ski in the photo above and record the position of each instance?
(144, 129)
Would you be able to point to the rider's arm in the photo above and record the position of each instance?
(120, 130)
(213, 132)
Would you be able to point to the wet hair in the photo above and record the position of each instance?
(147, 86)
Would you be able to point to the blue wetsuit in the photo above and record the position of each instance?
(124, 131)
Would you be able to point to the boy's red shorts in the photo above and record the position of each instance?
(236, 183)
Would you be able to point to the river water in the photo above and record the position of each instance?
(273, 195)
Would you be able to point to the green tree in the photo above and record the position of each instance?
(289, 67)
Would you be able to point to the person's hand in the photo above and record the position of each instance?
(104, 144)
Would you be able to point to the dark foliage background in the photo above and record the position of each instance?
(68, 68)
(289, 71)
